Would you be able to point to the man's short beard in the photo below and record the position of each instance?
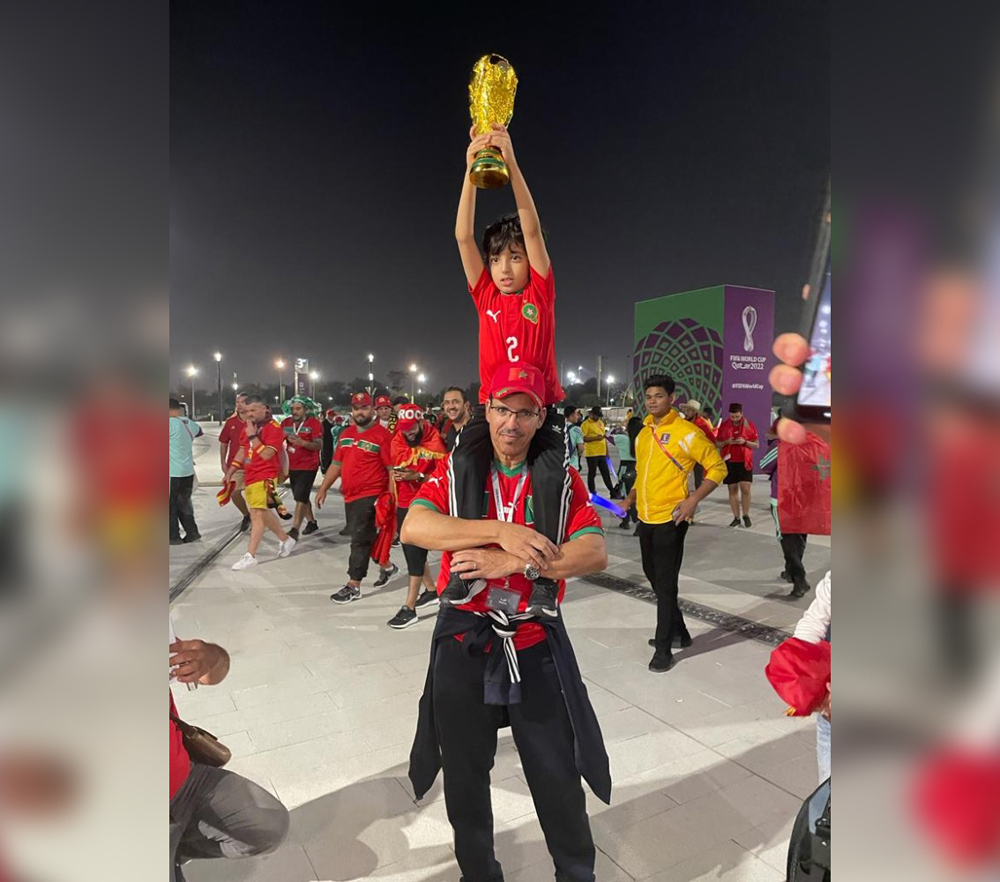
(358, 421)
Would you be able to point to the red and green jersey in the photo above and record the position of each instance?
(310, 429)
(582, 519)
(518, 328)
(365, 457)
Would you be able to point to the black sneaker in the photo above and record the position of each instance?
(403, 619)
(345, 532)
(460, 591)
(623, 524)
(385, 575)
(543, 600)
(294, 533)
(192, 537)
(346, 594)
(426, 599)
(662, 661)
(735, 522)
(177, 541)
(746, 521)
(311, 528)
(800, 590)
(245, 525)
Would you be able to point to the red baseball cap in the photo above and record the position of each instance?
(361, 399)
(331, 412)
(510, 379)
(383, 401)
(407, 417)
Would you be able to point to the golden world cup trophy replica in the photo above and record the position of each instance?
(491, 100)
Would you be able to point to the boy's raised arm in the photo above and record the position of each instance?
(531, 226)
(465, 223)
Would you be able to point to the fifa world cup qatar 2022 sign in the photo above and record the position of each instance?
(715, 343)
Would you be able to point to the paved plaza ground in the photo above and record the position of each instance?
(320, 708)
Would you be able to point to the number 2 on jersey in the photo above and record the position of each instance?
(511, 346)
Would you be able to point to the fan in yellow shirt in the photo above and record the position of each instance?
(666, 450)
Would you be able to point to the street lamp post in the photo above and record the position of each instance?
(313, 376)
(371, 374)
(280, 365)
(610, 381)
(413, 377)
(192, 372)
(218, 365)
(236, 389)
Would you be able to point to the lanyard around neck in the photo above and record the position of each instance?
(504, 513)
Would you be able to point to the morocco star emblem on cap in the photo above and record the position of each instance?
(530, 312)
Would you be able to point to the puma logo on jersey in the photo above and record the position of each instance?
(493, 315)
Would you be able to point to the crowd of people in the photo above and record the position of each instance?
(496, 487)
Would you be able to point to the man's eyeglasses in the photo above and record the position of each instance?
(522, 416)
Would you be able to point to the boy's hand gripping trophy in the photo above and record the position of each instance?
(491, 100)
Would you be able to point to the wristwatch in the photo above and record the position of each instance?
(531, 572)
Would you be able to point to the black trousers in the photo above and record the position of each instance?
(548, 461)
(467, 732)
(662, 547)
(628, 482)
(181, 509)
(416, 557)
(793, 547)
(593, 464)
(361, 524)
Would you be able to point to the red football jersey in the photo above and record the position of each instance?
(256, 468)
(582, 519)
(365, 458)
(310, 429)
(231, 435)
(737, 452)
(518, 327)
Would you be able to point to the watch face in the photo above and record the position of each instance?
(531, 572)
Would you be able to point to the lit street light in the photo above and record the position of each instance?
(218, 365)
(371, 374)
(313, 376)
(280, 365)
(192, 372)
(610, 381)
(413, 376)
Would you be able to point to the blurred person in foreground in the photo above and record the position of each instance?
(494, 664)
(666, 449)
(260, 457)
(182, 434)
(417, 449)
(813, 627)
(213, 813)
(229, 446)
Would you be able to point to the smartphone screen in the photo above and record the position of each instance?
(816, 379)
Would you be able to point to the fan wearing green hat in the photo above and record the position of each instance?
(303, 439)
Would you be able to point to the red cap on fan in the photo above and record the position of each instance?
(361, 399)
(510, 379)
(407, 417)
(383, 401)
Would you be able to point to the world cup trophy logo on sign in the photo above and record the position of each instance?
(749, 323)
(491, 100)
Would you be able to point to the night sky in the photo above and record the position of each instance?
(317, 154)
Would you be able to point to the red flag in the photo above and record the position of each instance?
(799, 671)
(385, 522)
(804, 486)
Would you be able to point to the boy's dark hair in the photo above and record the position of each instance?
(666, 383)
(457, 389)
(736, 407)
(569, 410)
(503, 232)
(174, 404)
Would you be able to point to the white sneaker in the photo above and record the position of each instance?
(245, 562)
(285, 548)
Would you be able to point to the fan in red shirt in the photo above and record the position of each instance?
(513, 289)
(230, 440)
(737, 439)
(304, 439)
(362, 460)
(417, 449)
(507, 669)
(260, 458)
